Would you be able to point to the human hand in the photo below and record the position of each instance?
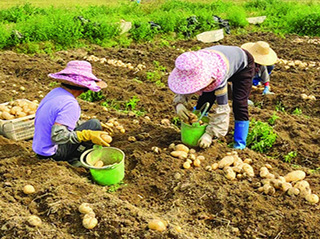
(182, 112)
(205, 141)
(267, 91)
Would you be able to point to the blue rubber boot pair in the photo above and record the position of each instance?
(241, 129)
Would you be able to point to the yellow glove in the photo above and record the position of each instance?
(96, 137)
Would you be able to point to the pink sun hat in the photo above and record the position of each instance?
(196, 70)
(79, 73)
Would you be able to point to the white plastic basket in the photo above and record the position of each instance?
(256, 20)
(210, 36)
(19, 128)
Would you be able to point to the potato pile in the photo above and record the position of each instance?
(298, 64)
(233, 166)
(292, 183)
(183, 152)
(193, 118)
(307, 97)
(89, 220)
(111, 125)
(115, 62)
(17, 109)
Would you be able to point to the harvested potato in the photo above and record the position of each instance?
(214, 166)
(201, 157)
(21, 114)
(157, 225)
(132, 139)
(264, 172)
(15, 109)
(302, 185)
(196, 162)
(106, 138)
(293, 191)
(7, 116)
(85, 208)
(89, 221)
(312, 198)
(34, 220)
(230, 174)
(186, 165)
(285, 186)
(28, 189)
(248, 161)
(192, 156)
(295, 176)
(248, 170)
(226, 161)
(181, 147)
(99, 164)
(156, 149)
(179, 154)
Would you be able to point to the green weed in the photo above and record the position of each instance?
(156, 75)
(115, 187)
(290, 156)
(261, 136)
(273, 118)
(280, 107)
(92, 96)
(297, 111)
(176, 121)
(124, 106)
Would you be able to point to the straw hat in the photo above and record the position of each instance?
(79, 73)
(261, 52)
(196, 70)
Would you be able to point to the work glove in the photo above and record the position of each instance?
(182, 112)
(205, 141)
(93, 136)
(267, 91)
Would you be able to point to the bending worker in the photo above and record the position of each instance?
(264, 58)
(206, 72)
(57, 134)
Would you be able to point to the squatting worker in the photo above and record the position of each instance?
(206, 72)
(57, 133)
(264, 58)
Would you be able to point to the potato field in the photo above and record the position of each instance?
(161, 196)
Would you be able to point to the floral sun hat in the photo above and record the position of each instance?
(79, 73)
(196, 70)
(261, 52)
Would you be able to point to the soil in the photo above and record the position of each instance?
(205, 204)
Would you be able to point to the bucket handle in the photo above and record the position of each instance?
(205, 108)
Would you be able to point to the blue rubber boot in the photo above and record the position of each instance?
(241, 129)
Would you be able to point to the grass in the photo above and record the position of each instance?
(48, 26)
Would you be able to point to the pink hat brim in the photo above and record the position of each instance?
(78, 81)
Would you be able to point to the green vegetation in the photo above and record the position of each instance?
(297, 111)
(290, 156)
(261, 136)
(273, 118)
(156, 75)
(92, 96)
(124, 106)
(32, 29)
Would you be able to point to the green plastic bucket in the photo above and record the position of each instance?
(113, 159)
(190, 134)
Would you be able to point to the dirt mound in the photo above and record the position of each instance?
(204, 204)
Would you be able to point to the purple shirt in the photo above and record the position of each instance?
(59, 106)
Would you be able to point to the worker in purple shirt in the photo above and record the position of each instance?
(58, 134)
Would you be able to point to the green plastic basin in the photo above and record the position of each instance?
(113, 159)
